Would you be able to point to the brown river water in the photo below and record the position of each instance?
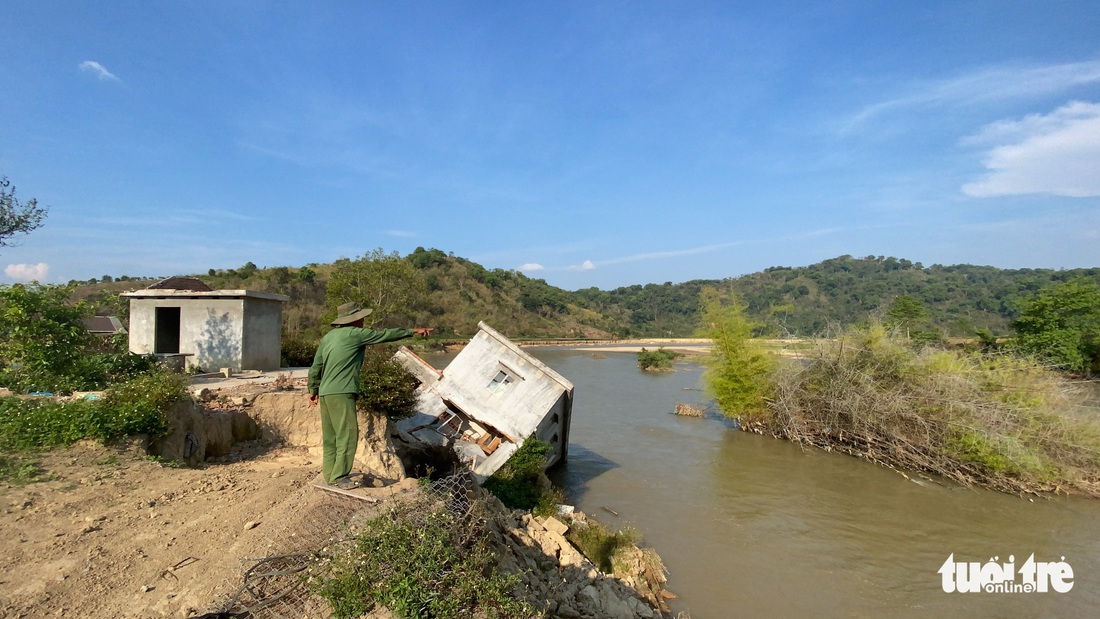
(751, 526)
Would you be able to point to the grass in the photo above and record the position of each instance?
(19, 469)
(599, 543)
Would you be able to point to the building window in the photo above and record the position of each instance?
(554, 439)
(500, 380)
(555, 418)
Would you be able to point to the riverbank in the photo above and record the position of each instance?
(111, 532)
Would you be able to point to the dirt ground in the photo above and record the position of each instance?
(116, 534)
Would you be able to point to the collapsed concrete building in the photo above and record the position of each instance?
(487, 402)
(185, 322)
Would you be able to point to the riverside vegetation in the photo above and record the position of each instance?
(659, 360)
(1003, 418)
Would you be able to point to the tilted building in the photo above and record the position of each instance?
(487, 401)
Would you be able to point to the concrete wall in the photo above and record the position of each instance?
(263, 328)
(238, 331)
(211, 330)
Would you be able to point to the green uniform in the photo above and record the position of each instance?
(334, 376)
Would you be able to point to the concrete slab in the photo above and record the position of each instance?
(219, 381)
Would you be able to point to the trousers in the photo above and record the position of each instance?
(339, 435)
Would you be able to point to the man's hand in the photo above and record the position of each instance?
(313, 400)
(423, 331)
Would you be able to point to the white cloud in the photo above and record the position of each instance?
(672, 253)
(585, 266)
(1056, 154)
(98, 70)
(402, 234)
(988, 85)
(27, 272)
(531, 267)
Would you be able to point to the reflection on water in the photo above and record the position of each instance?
(751, 526)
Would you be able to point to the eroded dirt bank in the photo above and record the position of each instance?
(114, 533)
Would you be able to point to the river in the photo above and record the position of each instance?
(751, 526)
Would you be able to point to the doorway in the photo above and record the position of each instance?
(167, 338)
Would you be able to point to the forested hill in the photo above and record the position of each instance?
(453, 294)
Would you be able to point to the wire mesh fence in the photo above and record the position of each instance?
(274, 585)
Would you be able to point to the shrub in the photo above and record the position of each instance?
(657, 360)
(739, 373)
(18, 469)
(1062, 325)
(42, 338)
(45, 347)
(135, 407)
(519, 483)
(385, 386)
(421, 565)
(297, 352)
(1000, 421)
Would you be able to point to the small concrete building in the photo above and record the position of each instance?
(183, 319)
(487, 401)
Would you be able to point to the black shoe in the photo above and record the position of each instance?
(345, 483)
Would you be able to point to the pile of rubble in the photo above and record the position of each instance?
(555, 573)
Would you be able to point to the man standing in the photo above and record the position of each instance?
(334, 381)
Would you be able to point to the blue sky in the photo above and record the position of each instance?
(587, 143)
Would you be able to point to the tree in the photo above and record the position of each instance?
(906, 312)
(1062, 325)
(384, 282)
(739, 374)
(306, 274)
(17, 217)
(42, 338)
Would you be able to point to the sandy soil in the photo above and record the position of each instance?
(115, 534)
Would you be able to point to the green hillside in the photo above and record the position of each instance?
(455, 293)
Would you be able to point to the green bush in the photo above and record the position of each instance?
(45, 347)
(135, 407)
(385, 386)
(518, 484)
(18, 469)
(419, 566)
(297, 352)
(1061, 325)
(739, 373)
(659, 360)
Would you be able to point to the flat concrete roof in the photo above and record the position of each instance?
(213, 294)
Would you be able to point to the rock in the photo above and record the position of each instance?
(566, 611)
(559, 541)
(641, 609)
(556, 526)
(251, 524)
(571, 557)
